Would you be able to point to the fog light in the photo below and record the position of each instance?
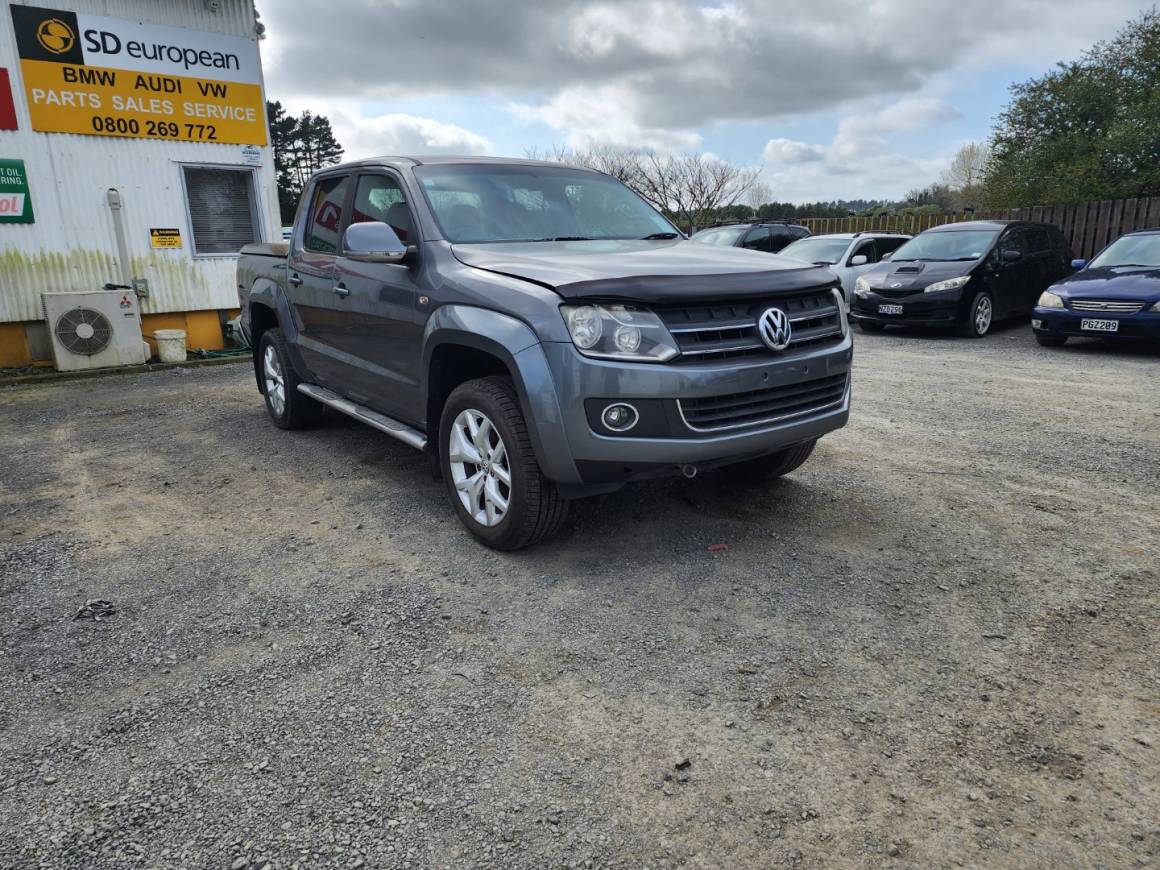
(619, 417)
(1036, 324)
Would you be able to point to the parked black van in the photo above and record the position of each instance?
(966, 275)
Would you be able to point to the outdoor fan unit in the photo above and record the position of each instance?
(94, 330)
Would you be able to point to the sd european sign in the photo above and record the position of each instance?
(109, 77)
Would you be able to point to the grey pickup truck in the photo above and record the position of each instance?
(542, 331)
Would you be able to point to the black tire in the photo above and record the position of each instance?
(971, 325)
(535, 510)
(297, 409)
(1051, 340)
(871, 326)
(772, 465)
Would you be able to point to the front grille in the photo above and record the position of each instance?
(727, 330)
(756, 407)
(1108, 305)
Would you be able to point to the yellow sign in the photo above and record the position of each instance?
(109, 77)
(115, 102)
(164, 237)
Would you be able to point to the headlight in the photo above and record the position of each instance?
(618, 332)
(949, 284)
(1155, 308)
(861, 287)
(1047, 299)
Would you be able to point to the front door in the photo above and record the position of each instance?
(379, 318)
(1014, 273)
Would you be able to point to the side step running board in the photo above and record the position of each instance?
(372, 418)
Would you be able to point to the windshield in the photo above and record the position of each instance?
(947, 245)
(1130, 251)
(817, 250)
(725, 236)
(497, 203)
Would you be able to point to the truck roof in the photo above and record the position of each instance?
(435, 159)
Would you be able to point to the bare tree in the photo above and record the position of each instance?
(965, 172)
(758, 195)
(688, 187)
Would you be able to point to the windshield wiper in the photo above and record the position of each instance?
(564, 239)
(657, 236)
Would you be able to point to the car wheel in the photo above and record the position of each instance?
(288, 408)
(490, 470)
(979, 317)
(1051, 340)
(871, 326)
(773, 465)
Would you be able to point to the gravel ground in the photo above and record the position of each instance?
(934, 645)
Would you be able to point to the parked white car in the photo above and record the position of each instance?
(847, 254)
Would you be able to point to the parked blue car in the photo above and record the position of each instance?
(1116, 295)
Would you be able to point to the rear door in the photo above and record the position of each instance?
(379, 317)
(310, 277)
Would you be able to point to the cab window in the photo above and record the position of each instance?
(381, 198)
(867, 249)
(758, 239)
(324, 220)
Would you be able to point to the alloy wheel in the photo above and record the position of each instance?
(275, 382)
(983, 312)
(480, 467)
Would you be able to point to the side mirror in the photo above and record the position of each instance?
(859, 260)
(373, 242)
(887, 257)
(1078, 264)
(1010, 255)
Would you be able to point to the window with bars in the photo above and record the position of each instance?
(223, 215)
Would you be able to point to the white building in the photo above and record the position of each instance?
(134, 150)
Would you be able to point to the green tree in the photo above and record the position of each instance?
(1087, 130)
(302, 145)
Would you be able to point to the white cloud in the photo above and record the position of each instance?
(607, 114)
(859, 163)
(393, 133)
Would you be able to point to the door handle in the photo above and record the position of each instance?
(341, 290)
(294, 279)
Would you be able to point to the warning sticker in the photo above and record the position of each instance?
(164, 237)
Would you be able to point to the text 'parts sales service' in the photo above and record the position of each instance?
(111, 77)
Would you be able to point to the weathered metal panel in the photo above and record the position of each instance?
(72, 244)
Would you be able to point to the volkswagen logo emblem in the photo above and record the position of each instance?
(774, 328)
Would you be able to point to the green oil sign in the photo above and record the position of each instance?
(15, 199)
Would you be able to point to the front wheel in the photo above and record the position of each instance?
(490, 470)
(1051, 340)
(772, 465)
(979, 317)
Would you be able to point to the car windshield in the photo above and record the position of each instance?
(947, 245)
(1130, 251)
(723, 236)
(817, 250)
(497, 203)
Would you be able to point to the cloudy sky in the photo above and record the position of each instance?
(834, 99)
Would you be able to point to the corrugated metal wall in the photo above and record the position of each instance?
(72, 244)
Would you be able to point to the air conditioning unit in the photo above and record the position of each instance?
(94, 330)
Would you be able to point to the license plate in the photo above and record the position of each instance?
(889, 309)
(1094, 325)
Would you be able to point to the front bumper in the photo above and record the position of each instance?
(1062, 322)
(918, 309)
(602, 458)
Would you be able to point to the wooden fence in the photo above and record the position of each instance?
(1089, 226)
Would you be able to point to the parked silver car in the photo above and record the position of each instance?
(847, 254)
